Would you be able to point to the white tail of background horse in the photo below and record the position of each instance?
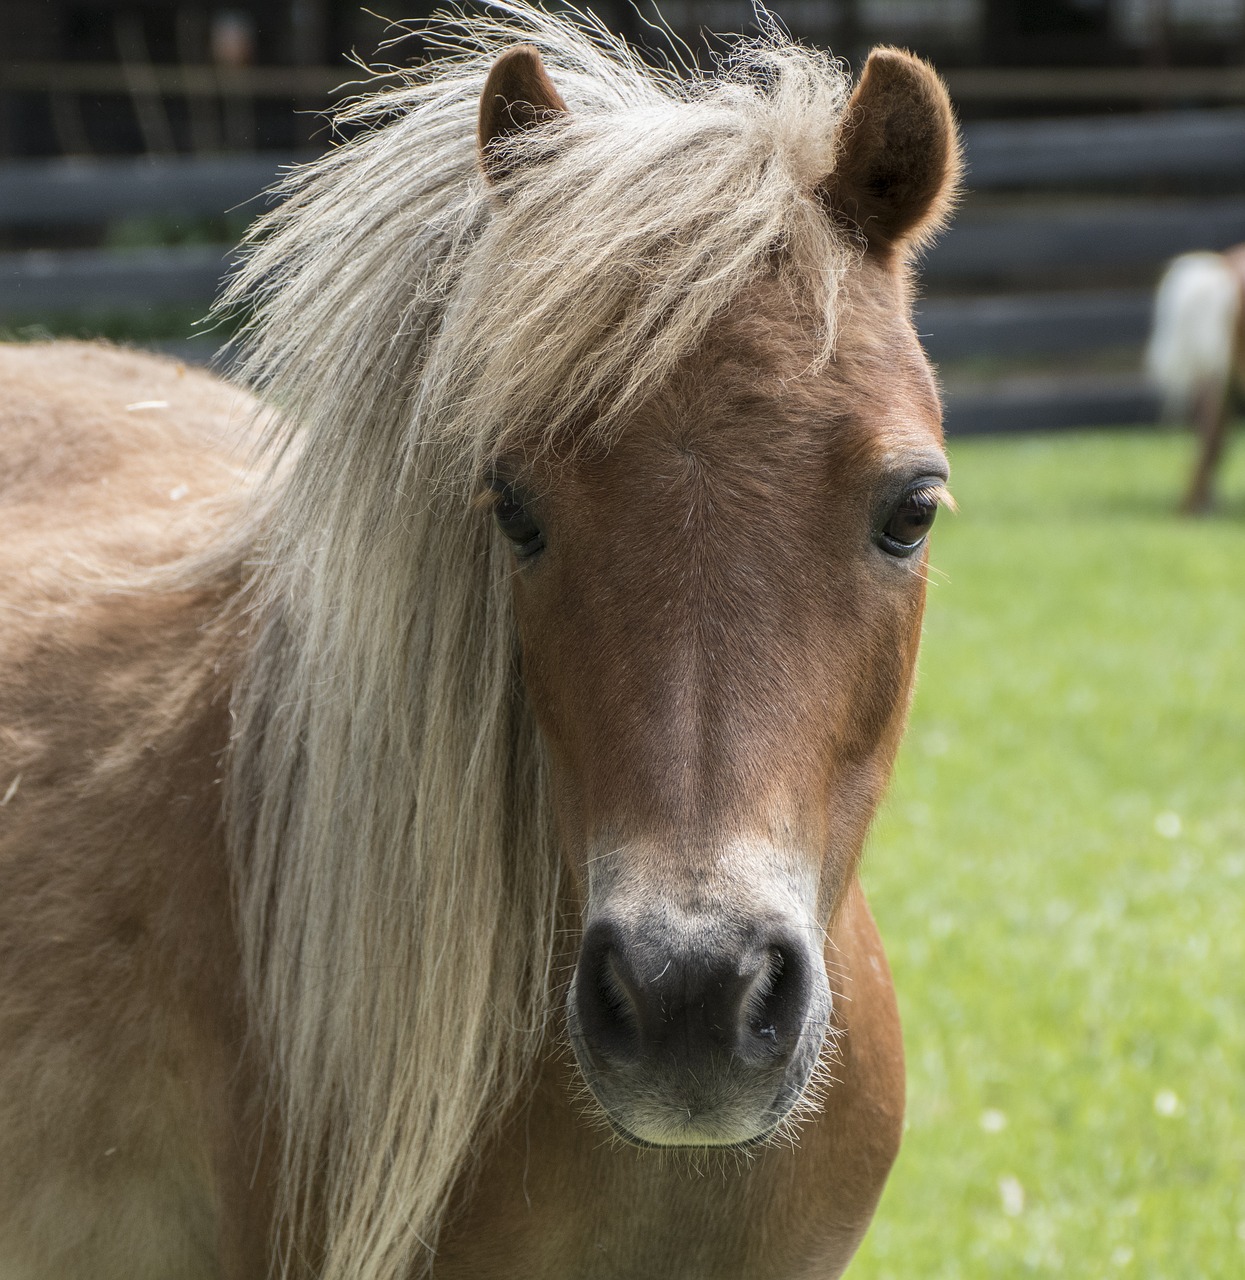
(1194, 356)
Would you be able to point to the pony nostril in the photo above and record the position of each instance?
(606, 1010)
(635, 1001)
(779, 1000)
(610, 992)
(764, 1022)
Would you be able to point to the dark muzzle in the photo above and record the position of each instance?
(703, 1039)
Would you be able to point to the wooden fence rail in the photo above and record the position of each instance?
(1152, 87)
(40, 281)
(1024, 273)
(1104, 149)
(1041, 324)
(1070, 243)
(81, 192)
(1001, 155)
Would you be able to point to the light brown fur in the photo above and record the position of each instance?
(306, 784)
(119, 969)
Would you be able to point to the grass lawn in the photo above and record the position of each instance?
(1059, 874)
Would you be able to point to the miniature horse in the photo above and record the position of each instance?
(429, 847)
(1196, 355)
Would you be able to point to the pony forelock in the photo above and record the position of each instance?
(398, 886)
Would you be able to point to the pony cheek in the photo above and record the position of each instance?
(851, 800)
(566, 791)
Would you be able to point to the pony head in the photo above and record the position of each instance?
(718, 604)
(585, 595)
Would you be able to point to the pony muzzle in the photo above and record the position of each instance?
(707, 1038)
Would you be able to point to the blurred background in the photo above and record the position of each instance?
(1058, 871)
(1103, 137)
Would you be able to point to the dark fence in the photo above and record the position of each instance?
(1002, 248)
(36, 281)
(1094, 150)
(1038, 324)
(1036, 302)
(80, 192)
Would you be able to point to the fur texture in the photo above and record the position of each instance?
(416, 329)
(338, 1057)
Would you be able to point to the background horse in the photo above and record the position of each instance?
(1196, 354)
(422, 849)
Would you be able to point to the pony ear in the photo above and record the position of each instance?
(518, 95)
(899, 163)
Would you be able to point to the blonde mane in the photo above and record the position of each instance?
(399, 886)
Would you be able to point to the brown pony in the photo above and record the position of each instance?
(430, 847)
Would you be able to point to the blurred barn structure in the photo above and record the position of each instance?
(1103, 137)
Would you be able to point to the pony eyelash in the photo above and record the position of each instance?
(939, 494)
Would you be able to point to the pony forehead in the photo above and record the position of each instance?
(619, 242)
(396, 299)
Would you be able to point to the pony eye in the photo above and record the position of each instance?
(517, 523)
(910, 522)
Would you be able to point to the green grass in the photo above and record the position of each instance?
(1059, 875)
